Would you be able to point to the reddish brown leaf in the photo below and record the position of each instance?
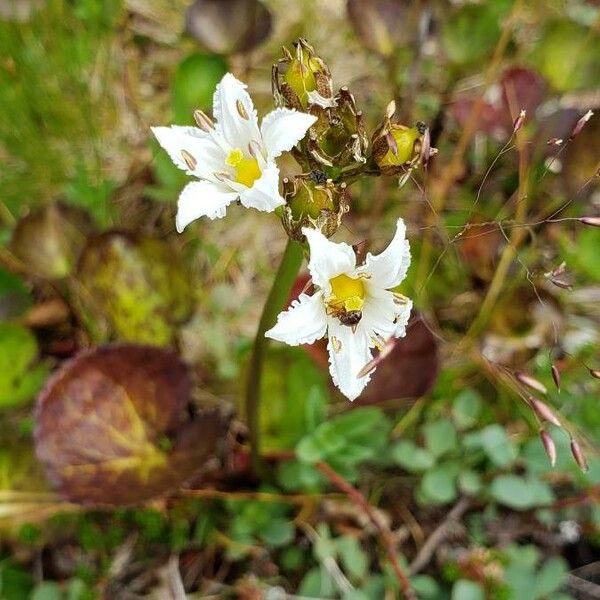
(114, 426)
(411, 368)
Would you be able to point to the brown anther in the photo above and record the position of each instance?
(189, 160)
(241, 110)
(203, 121)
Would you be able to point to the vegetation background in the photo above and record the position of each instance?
(439, 472)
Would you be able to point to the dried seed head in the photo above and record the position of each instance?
(391, 142)
(593, 221)
(519, 120)
(390, 109)
(203, 121)
(581, 124)
(555, 376)
(549, 446)
(565, 285)
(543, 411)
(530, 382)
(578, 455)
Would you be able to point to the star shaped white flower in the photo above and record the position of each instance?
(354, 305)
(234, 158)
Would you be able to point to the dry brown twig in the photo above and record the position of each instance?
(386, 535)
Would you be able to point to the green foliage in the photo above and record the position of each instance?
(291, 375)
(346, 441)
(576, 69)
(471, 33)
(20, 376)
(255, 522)
(49, 119)
(194, 83)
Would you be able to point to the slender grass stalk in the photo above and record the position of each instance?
(284, 279)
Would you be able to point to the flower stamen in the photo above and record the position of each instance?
(247, 170)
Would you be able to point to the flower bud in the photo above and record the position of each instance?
(301, 78)
(397, 147)
(549, 446)
(313, 201)
(338, 138)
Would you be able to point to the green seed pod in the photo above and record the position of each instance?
(397, 147)
(301, 79)
(313, 201)
(338, 138)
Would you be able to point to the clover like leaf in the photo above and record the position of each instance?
(115, 426)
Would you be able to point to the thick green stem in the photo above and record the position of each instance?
(282, 284)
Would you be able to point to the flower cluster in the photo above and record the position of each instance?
(356, 305)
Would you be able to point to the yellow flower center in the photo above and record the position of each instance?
(347, 292)
(405, 139)
(247, 170)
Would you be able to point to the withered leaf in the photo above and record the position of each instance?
(411, 368)
(114, 426)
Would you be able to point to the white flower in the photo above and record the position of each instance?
(354, 305)
(233, 159)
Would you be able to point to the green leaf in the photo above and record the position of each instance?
(194, 84)
(470, 482)
(466, 409)
(497, 446)
(470, 33)
(439, 485)
(514, 491)
(464, 589)
(426, 587)
(357, 423)
(550, 577)
(412, 457)
(575, 69)
(353, 557)
(440, 437)
(278, 532)
(14, 296)
(20, 379)
(47, 590)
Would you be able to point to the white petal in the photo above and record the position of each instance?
(202, 199)
(204, 150)
(327, 259)
(303, 323)
(385, 315)
(389, 268)
(238, 127)
(283, 128)
(348, 354)
(264, 194)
